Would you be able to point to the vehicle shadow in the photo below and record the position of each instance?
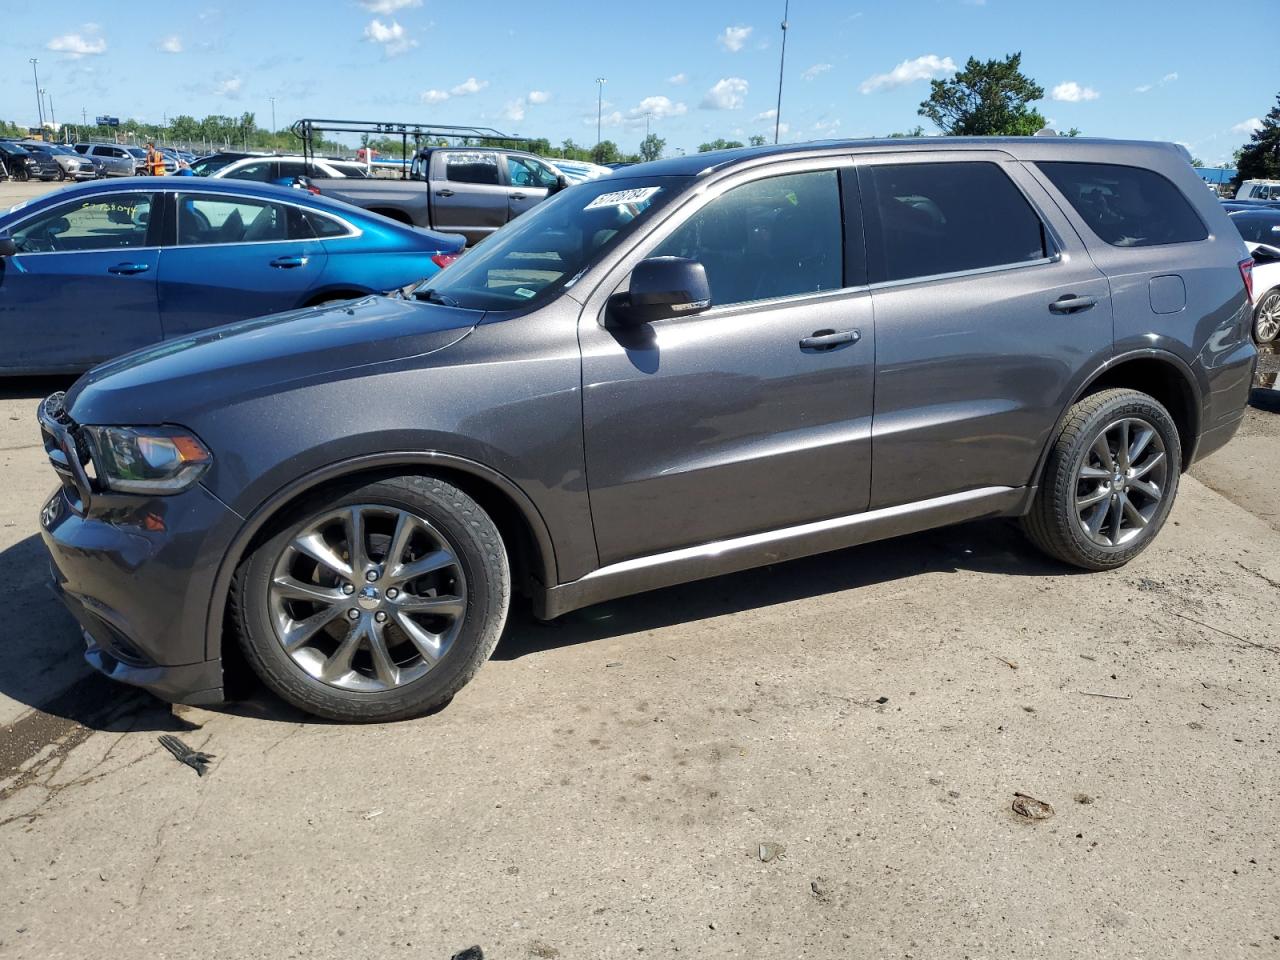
(33, 388)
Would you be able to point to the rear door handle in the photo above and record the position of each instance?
(826, 339)
(444, 193)
(1072, 304)
(128, 269)
(288, 263)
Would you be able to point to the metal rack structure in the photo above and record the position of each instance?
(308, 128)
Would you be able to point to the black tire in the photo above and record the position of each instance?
(1268, 303)
(1054, 523)
(477, 545)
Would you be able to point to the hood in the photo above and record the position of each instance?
(158, 384)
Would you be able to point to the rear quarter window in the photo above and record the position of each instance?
(1126, 206)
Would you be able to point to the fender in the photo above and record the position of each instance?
(1148, 354)
(334, 471)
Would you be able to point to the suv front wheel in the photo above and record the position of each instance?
(378, 603)
(1109, 483)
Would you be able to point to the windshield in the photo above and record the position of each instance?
(208, 165)
(531, 259)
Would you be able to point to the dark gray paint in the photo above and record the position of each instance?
(714, 445)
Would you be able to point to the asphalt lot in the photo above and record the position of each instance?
(604, 787)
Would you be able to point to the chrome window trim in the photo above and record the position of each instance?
(962, 274)
(353, 230)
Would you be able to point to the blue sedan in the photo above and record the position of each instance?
(93, 271)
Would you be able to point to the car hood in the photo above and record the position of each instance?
(160, 383)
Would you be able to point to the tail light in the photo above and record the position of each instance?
(442, 260)
(1246, 274)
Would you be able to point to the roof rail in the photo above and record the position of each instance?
(307, 128)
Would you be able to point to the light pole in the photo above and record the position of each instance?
(782, 61)
(53, 120)
(600, 82)
(273, 116)
(39, 99)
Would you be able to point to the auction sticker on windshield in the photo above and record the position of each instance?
(619, 198)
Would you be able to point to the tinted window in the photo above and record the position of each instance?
(212, 219)
(926, 219)
(471, 167)
(323, 226)
(1258, 229)
(1126, 206)
(259, 171)
(103, 224)
(776, 237)
(293, 168)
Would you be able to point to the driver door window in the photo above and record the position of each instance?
(525, 172)
(776, 237)
(119, 222)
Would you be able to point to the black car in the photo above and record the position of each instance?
(22, 164)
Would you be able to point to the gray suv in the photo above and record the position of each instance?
(701, 365)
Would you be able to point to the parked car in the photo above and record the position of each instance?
(579, 171)
(467, 190)
(265, 168)
(116, 160)
(649, 379)
(100, 269)
(25, 164)
(70, 164)
(1259, 190)
(1260, 230)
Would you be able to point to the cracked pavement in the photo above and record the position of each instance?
(605, 784)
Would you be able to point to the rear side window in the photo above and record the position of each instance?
(1126, 206)
(472, 168)
(925, 219)
(323, 226)
(1255, 229)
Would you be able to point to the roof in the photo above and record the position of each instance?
(698, 163)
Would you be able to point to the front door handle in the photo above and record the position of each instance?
(829, 339)
(517, 196)
(288, 263)
(129, 269)
(1072, 304)
(446, 192)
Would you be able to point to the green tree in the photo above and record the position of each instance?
(757, 140)
(1259, 159)
(651, 147)
(606, 151)
(986, 98)
(916, 131)
(719, 144)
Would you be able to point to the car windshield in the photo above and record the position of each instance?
(1258, 229)
(208, 165)
(536, 256)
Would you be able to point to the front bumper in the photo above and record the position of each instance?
(137, 573)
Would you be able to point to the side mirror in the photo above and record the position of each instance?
(7, 247)
(1263, 251)
(561, 182)
(661, 287)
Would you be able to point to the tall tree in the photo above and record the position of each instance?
(757, 140)
(606, 151)
(1259, 159)
(986, 98)
(651, 147)
(719, 144)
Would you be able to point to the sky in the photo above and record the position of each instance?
(700, 69)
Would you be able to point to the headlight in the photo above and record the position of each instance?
(147, 459)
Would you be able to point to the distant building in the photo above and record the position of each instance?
(1216, 175)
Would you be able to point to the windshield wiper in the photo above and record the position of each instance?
(434, 296)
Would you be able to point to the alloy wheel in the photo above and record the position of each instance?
(1267, 325)
(1121, 482)
(367, 598)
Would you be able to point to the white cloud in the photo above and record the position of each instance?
(391, 36)
(728, 94)
(1072, 92)
(539, 96)
(434, 96)
(767, 115)
(678, 79)
(229, 87)
(659, 107)
(170, 44)
(77, 45)
(513, 110)
(816, 71)
(469, 86)
(734, 38)
(386, 7)
(909, 71)
(1146, 87)
(825, 126)
(1252, 125)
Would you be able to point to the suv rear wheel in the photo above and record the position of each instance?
(1266, 318)
(1110, 481)
(377, 603)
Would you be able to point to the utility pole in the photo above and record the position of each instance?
(53, 120)
(782, 62)
(600, 82)
(39, 99)
(273, 117)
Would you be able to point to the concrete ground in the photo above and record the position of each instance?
(817, 759)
